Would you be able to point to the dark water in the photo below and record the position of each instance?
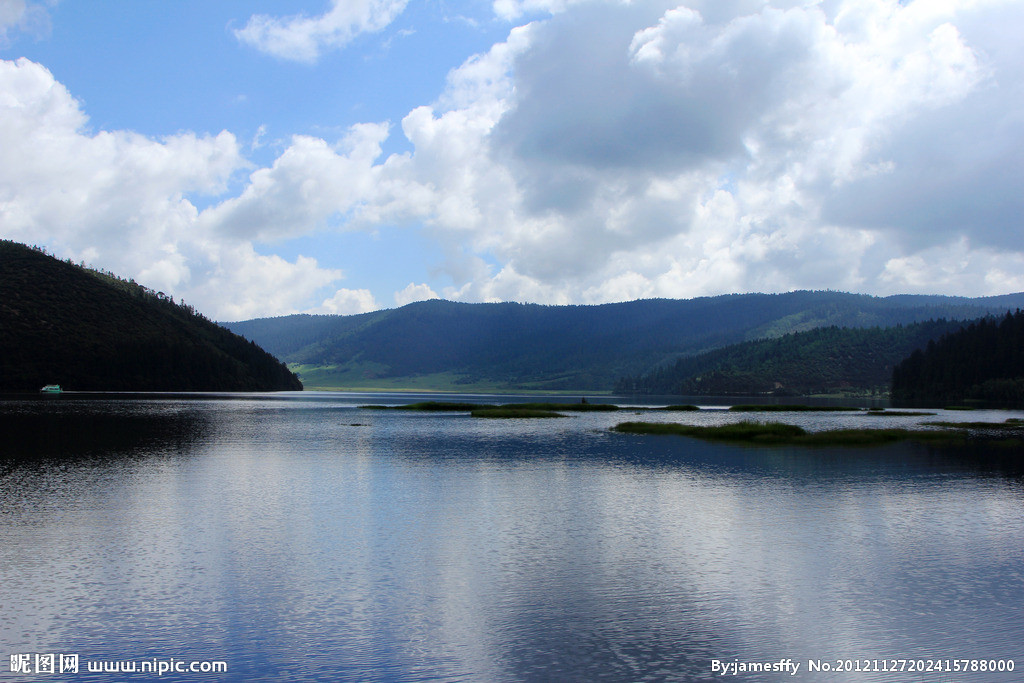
(296, 537)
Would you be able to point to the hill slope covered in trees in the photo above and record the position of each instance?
(90, 331)
(527, 347)
(827, 360)
(984, 361)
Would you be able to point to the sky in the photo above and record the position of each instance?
(259, 158)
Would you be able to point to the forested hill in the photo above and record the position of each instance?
(89, 331)
(442, 344)
(827, 360)
(984, 361)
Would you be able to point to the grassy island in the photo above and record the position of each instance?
(1012, 425)
(777, 433)
(739, 431)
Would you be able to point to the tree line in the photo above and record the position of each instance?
(93, 331)
(984, 361)
(826, 360)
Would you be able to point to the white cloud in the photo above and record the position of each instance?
(310, 183)
(959, 265)
(511, 10)
(252, 285)
(620, 150)
(119, 200)
(414, 292)
(611, 151)
(113, 192)
(304, 39)
(348, 302)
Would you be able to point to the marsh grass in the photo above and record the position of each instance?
(762, 432)
(1012, 424)
(778, 433)
(775, 408)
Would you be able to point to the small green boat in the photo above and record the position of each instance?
(51, 389)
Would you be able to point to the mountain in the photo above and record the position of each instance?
(984, 361)
(528, 347)
(91, 331)
(826, 360)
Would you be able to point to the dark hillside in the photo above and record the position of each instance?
(984, 361)
(90, 331)
(826, 360)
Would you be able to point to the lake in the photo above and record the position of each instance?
(298, 537)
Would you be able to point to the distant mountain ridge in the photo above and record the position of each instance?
(525, 347)
(90, 331)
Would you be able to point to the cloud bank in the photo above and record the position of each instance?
(630, 150)
(606, 152)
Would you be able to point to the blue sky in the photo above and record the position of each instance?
(161, 67)
(264, 158)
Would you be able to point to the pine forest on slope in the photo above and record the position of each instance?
(826, 360)
(982, 362)
(90, 331)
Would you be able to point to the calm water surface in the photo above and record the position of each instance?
(297, 537)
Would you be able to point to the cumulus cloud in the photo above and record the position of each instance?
(311, 182)
(413, 292)
(612, 150)
(61, 181)
(348, 302)
(616, 150)
(120, 200)
(304, 39)
(958, 263)
(257, 285)
(953, 169)
(643, 149)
